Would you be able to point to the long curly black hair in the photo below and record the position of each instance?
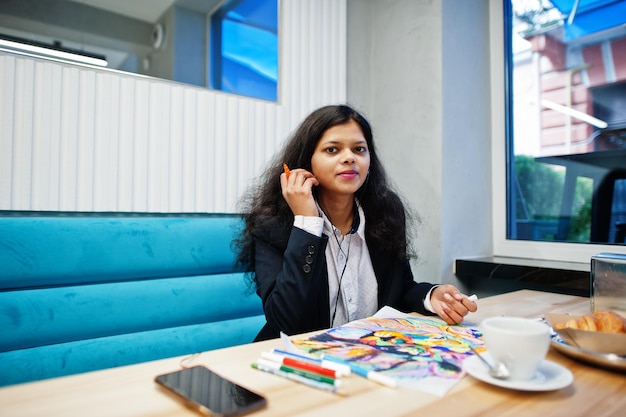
(264, 208)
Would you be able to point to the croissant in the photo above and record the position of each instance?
(599, 321)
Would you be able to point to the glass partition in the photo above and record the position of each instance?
(169, 39)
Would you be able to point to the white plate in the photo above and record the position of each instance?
(550, 376)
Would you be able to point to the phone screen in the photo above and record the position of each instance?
(209, 393)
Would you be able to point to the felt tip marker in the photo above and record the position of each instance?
(295, 355)
(340, 369)
(371, 375)
(286, 169)
(299, 364)
(298, 378)
(291, 370)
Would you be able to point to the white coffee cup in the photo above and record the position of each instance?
(520, 343)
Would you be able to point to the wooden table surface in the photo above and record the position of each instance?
(130, 390)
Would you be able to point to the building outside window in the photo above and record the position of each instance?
(566, 121)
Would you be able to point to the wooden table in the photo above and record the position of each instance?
(130, 390)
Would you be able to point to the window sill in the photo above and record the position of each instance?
(494, 274)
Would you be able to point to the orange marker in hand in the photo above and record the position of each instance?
(287, 171)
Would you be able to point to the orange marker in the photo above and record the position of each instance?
(286, 168)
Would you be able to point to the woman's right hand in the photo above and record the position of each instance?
(298, 191)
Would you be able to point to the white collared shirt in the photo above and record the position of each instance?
(352, 285)
(359, 288)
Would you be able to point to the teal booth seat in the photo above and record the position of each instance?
(81, 292)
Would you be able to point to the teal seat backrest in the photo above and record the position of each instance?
(86, 292)
(39, 251)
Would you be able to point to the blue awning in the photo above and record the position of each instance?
(590, 16)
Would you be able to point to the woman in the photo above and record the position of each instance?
(326, 240)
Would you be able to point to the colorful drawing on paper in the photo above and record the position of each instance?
(423, 353)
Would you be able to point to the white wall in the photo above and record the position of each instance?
(420, 71)
(467, 215)
(81, 139)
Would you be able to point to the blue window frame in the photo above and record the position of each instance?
(244, 48)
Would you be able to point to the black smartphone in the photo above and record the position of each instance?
(209, 393)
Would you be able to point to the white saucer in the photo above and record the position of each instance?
(550, 376)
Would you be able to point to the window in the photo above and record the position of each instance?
(565, 129)
(520, 139)
(244, 48)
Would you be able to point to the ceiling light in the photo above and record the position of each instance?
(12, 44)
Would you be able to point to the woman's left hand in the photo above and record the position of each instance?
(450, 304)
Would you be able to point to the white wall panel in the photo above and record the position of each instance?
(7, 93)
(82, 139)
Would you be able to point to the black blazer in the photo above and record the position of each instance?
(292, 281)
